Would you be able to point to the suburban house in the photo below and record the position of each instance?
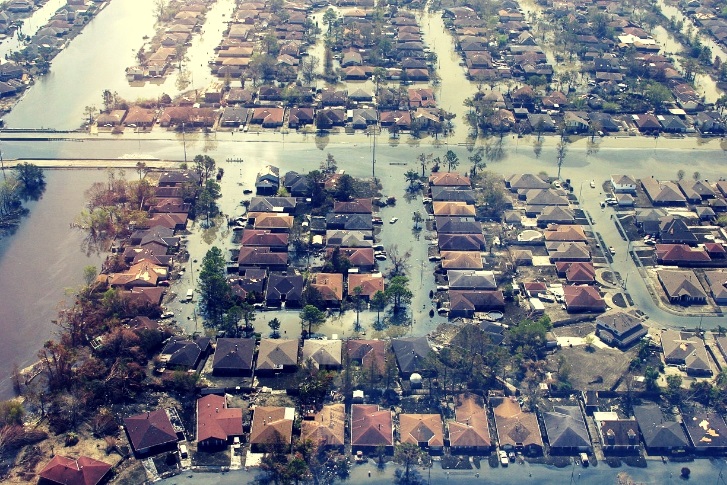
(619, 329)
(663, 192)
(660, 436)
(423, 430)
(217, 424)
(461, 260)
(686, 349)
(465, 303)
(83, 470)
(707, 431)
(330, 287)
(369, 284)
(233, 357)
(516, 429)
(151, 432)
(267, 181)
(566, 430)
(471, 280)
(271, 425)
(183, 354)
(412, 355)
(326, 429)
(576, 272)
(370, 355)
(371, 427)
(277, 355)
(674, 230)
(461, 242)
(324, 354)
(681, 255)
(682, 287)
(470, 431)
(717, 281)
(618, 436)
(284, 290)
(579, 299)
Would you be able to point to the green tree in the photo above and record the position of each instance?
(452, 160)
(477, 160)
(408, 455)
(31, 179)
(207, 200)
(657, 94)
(215, 291)
(651, 375)
(204, 165)
(412, 177)
(311, 317)
(417, 218)
(696, 176)
(398, 292)
(89, 274)
(274, 325)
(680, 174)
(378, 303)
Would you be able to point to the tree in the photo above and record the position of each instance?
(274, 325)
(408, 455)
(477, 160)
(215, 291)
(651, 375)
(412, 177)
(399, 262)
(657, 94)
(311, 317)
(89, 274)
(329, 18)
(378, 303)
(345, 188)
(424, 160)
(452, 160)
(398, 292)
(207, 200)
(89, 112)
(417, 218)
(561, 150)
(696, 176)
(204, 165)
(141, 169)
(30, 178)
(308, 67)
(680, 174)
(329, 165)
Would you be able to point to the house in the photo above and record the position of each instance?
(646, 123)
(327, 428)
(139, 117)
(696, 190)
(568, 251)
(707, 431)
(709, 122)
(681, 255)
(371, 427)
(330, 287)
(324, 354)
(143, 273)
(457, 225)
(623, 184)
(453, 194)
(526, 181)
(276, 241)
(660, 436)
(369, 284)
(349, 222)
(672, 124)
(471, 280)
(268, 117)
(284, 290)
(349, 239)
(461, 260)
(277, 355)
(412, 355)
(423, 430)
(362, 258)
(370, 355)
(180, 353)
(261, 257)
(271, 220)
(461, 242)
(682, 287)
(271, 425)
(297, 184)
(685, 349)
(619, 329)
(576, 122)
(663, 192)
(516, 429)
(217, 424)
(618, 436)
(465, 303)
(233, 357)
(717, 281)
(579, 299)
(470, 431)
(267, 181)
(449, 179)
(540, 123)
(61, 470)
(674, 230)
(151, 433)
(576, 272)
(355, 206)
(566, 233)
(446, 208)
(522, 257)
(566, 430)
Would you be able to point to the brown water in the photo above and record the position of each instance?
(37, 263)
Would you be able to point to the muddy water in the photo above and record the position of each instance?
(31, 25)
(37, 263)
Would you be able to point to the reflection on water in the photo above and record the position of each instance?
(36, 263)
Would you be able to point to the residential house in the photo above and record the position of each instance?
(217, 424)
(620, 329)
(277, 355)
(449, 179)
(469, 432)
(660, 436)
(662, 192)
(566, 430)
(267, 181)
(681, 255)
(465, 303)
(261, 257)
(268, 117)
(233, 357)
(349, 239)
(369, 284)
(580, 299)
(370, 355)
(440, 193)
(516, 429)
(555, 215)
(672, 124)
(330, 287)
(327, 428)
(471, 280)
(371, 427)
(696, 190)
(463, 260)
(271, 220)
(685, 349)
(324, 354)
(525, 182)
(717, 281)
(183, 354)
(709, 122)
(151, 433)
(284, 290)
(567, 251)
(276, 241)
(423, 430)
(623, 184)
(362, 258)
(349, 222)
(618, 436)
(355, 206)
(412, 355)
(271, 425)
(300, 117)
(647, 123)
(674, 230)
(273, 204)
(682, 287)
(576, 272)
(297, 184)
(461, 242)
(61, 470)
(707, 431)
(565, 233)
(446, 208)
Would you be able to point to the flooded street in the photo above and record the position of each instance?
(37, 264)
(31, 25)
(97, 59)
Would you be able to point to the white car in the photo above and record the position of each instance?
(593, 184)
(611, 250)
(503, 458)
(393, 220)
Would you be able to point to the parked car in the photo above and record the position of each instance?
(611, 250)
(503, 458)
(393, 220)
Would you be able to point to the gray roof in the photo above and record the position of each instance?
(469, 279)
(657, 432)
(411, 353)
(234, 354)
(566, 428)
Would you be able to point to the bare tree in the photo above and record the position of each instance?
(399, 261)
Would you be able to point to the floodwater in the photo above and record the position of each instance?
(31, 25)
(37, 263)
(97, 59)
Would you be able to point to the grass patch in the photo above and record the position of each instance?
(211, 458)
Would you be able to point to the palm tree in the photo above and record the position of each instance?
(412, 177)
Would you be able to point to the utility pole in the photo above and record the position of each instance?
(373, 158)
(184, 143)
(2, 164)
